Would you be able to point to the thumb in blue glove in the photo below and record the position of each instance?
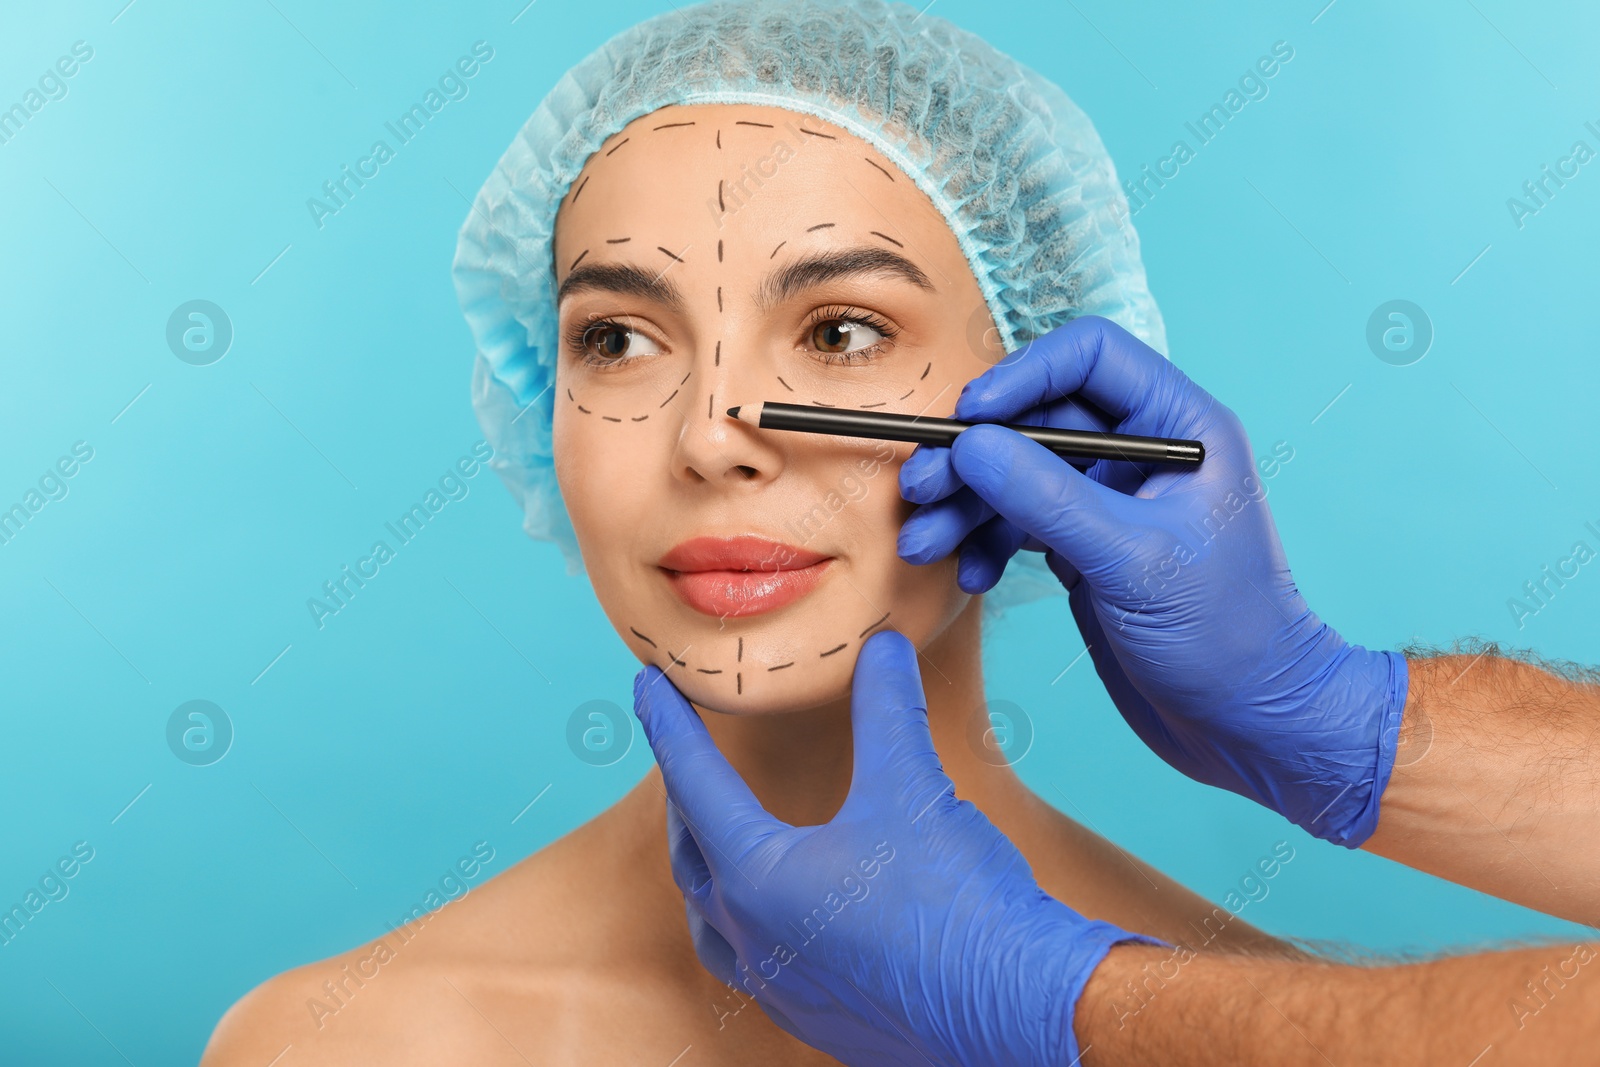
(1178, 581)
(907, 929)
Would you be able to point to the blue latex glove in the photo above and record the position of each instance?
(907, 930)
(1177, 579)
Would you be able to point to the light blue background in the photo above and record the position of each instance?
(428, 714)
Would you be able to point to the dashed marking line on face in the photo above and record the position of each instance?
(739, 656)
(610, 418)
(709, 398)
(619, 144)
(618, 240)
(720, 205)
(668, 400)
(873, 627)
(579, 191)
(820, 404)
(738, 683)
(639, 418)
(704, 670)
(815, 133)
(675, 659)
(642, 637)
(716, 361)
(746, 122)
(585, 410)
(575, 262)
(719, 139)
(886, 237)
(775, 250)
(785, 384)
(669, 252)
(719, 250)
(685, 377)
(886, 174)
(925, 371)
(907, 393)
(671, 125)
(570, 396)
(836, 648)
(780, 666)
(719, 300)
(879, 404)
(820, 226)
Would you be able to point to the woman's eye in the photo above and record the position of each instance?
(609, 342)
(839, 336)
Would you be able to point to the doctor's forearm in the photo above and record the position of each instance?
(1143, 1005)
(1497, 783)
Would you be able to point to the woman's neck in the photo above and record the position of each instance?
(798, 764)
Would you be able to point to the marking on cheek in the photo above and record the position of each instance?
(579, 191)
(618, 240)
(639, 418)
(672, 125)
(711, 397)
(814, 133)
(619, 144)
(668, 400)
(820, 404)
(820, 226)
(719, 250)
(763, 125)
(873, 627)
(703, 670)
(739, 656)
(879, 404)
(570, 396)
(585, 410)
(610, 418)
(886, 174)
(720, 205)
(660, 249)
(785, 384)
(780, 666)
(836, 648)
(719, 139)
(775, 250)
(907, 393)
(925, 371)
(642, 637)
(886, 237)
(739, 683)
(673, 657)
(579, 259)
(685, 378)
(719, 299)
(716, 360)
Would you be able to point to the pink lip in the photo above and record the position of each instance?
(745, 575)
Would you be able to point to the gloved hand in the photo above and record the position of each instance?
(907, 930)
(1177, 579)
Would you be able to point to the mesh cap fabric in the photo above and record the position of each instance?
(1014, 167)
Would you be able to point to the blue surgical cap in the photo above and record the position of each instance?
(1014, 167)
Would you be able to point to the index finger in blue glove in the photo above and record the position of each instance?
(723, 815)
(889, 724)
(1114, 370)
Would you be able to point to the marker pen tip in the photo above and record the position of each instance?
(733, 412)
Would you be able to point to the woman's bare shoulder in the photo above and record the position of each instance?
(495, 974)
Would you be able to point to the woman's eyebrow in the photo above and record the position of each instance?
(802, 274)
(621, 278)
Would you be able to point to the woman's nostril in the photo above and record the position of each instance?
(748, 472)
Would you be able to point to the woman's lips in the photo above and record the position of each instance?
(731, 577)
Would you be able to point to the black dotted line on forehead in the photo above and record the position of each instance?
(886, 174)
(575, 262)
(763, 125)
(618, 145)
(618, 240)
(672, 125)
(820, 226)
(886, 237)
(814, 133)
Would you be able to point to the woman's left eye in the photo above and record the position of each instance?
(837, 337)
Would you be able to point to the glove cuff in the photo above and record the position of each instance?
(1092, 941)
(1352, 816)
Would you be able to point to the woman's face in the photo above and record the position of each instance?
(722, 255)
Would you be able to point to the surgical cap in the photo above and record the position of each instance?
(1014, 167)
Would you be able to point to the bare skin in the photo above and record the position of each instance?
(581, 953)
